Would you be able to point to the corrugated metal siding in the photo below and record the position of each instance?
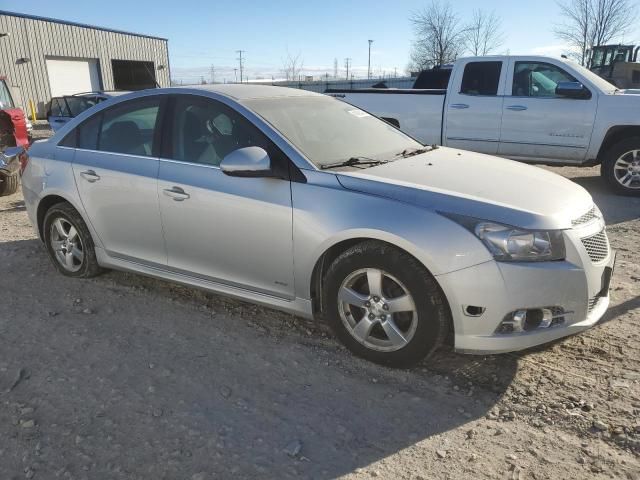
(39, 39)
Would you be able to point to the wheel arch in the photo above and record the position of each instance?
(616, 134)
(46, 203)
(333, 251)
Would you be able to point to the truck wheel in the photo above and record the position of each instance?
(9, 184)
(621, 166)
(384, 305)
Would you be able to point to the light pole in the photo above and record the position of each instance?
(369, 64)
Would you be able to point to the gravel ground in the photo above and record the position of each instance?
(126, 377)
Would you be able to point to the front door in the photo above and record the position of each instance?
(473, 111)
(231, 230)
(537, 123)
(116, 170)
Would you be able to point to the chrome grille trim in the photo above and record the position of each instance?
(597, 246)
(592, 214)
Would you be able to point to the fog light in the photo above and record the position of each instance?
(531, 319)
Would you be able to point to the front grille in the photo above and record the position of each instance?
(587, 217)
(597, 246)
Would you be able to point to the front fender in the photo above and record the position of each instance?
(325, 214)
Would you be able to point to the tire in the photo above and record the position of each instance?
(58, 221)
(421, 330)
(9, 184)
(618, 167)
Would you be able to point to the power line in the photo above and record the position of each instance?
(240, 62)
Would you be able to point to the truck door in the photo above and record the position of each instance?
(473, 111)
(539, 124)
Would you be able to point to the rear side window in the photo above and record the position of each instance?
(481, 78)
(130, 127)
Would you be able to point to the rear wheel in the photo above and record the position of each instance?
(69, 242)
(9, 184)
(384, 305)
(621, 166)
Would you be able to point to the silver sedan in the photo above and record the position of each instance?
(306, 204)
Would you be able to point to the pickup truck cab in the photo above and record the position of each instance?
(529, 108)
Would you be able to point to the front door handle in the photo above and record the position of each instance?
(459, 106)
(516, 108)
(177, 193)
(90, 176)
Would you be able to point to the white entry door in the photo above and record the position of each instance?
(72, 75)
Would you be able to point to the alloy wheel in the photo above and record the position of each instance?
(377, 310)
(627, 169)
(66, 244)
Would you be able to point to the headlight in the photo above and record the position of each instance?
(511, 244)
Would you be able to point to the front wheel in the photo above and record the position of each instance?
(621, 166)
(384, 305)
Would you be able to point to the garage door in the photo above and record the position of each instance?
(72, 75)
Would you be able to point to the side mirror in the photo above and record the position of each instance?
(572, 90)
(247, 162)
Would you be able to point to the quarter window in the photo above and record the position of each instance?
(537, 79)
(481, 78)
(205, 131)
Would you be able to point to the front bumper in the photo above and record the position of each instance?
(578, 285)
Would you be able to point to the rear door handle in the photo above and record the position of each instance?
(516, 108)
(177, 193)
(90, 176)
(459, 106)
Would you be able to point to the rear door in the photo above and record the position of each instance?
(473, 111)
(116, 171)
(537, 123)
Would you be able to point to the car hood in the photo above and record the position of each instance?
(477, 185)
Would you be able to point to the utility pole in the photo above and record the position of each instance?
(347, 63)
(235, 74)
(335, 68)
(369, 64)
(240, 63)
(213, 74)
(395, 72)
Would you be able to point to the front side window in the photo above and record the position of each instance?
(205, 131)
(5, 96)
(130, 127)
(481, 78)
(538, 79)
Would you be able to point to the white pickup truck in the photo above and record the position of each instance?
(528, 108)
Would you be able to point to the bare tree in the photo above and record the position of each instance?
(483, 34)
(438, 36)
(292, 66)
(593, 22)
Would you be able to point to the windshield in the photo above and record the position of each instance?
(5, 96)
(327, 130)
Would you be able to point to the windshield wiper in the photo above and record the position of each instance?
(353, 161)
(410, 152)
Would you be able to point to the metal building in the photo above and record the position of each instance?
(44, 57)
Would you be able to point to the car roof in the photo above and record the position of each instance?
(251, 91)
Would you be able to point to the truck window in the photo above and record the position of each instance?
(537, 79)
(481, 78)
(5, 96)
